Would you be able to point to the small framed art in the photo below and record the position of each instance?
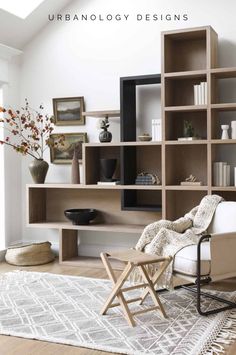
(63, 153)
(68, 111)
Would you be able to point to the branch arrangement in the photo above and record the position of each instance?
(29, 131)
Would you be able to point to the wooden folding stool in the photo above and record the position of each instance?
(134, 258)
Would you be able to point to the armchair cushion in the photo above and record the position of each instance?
(223, 222)
(185, 261)
(224, 219)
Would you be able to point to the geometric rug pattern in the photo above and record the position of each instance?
(65, 309)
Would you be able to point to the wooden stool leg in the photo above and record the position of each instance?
(116, 289)
(152, 291)
(120, 295)
(156, 277)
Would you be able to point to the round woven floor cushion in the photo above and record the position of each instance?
(30, 254)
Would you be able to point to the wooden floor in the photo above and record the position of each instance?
(18, 346)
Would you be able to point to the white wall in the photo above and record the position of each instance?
(79, 58)
(10, 161)
(2, 183)
(13, 176)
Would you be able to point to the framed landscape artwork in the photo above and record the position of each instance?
(68, 111)
(63, 153)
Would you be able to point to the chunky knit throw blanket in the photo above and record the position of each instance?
(166, 238)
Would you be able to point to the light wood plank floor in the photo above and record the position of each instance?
(19, 346)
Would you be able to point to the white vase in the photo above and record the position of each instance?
(235, 176)
(233, 129)
(225, 134)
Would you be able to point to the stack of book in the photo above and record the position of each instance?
(144, 180)
(221, 174)
(156, 129)
(200, 94)
(115, 182)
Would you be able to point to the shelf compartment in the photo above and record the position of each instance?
(136, 159)
(141, 200)
(224, 152)
(187, 48)
(180, 202)
(92, 156)
(129, 90)
(47, 206)
(174, 125)
(221, 118)
(223, 90)
(180, 91)
(183, 160)
(69, 252)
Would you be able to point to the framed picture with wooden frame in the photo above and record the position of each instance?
(63, 153)
(68, 111)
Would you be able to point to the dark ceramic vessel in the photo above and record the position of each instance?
(105, 136)
(80, 216)
(108, 167)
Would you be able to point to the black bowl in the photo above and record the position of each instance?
(80, 215)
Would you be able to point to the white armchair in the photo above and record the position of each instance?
(213, 259)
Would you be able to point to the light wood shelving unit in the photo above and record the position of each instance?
(196, 61)
(127, 208)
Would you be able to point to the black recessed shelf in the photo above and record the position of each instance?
(133, 158)
(128, 103)
(148, 208)
(142, 200)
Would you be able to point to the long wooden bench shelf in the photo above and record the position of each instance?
(97, 227)
(47, 203)
(95, 187)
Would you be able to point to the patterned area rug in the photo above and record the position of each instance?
(65, 309)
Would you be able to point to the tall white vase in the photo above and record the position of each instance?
(233, 129)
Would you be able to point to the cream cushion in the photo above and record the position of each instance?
(224, 221)
(186, 260)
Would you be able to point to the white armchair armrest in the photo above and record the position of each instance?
(223, 255)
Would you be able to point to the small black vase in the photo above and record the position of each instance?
(105, 136)
(108, 167)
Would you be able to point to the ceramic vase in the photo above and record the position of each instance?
(105, 136)
(38, 169)
(225, 134)
(75, 173)
(108, 167)
(233, 129)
